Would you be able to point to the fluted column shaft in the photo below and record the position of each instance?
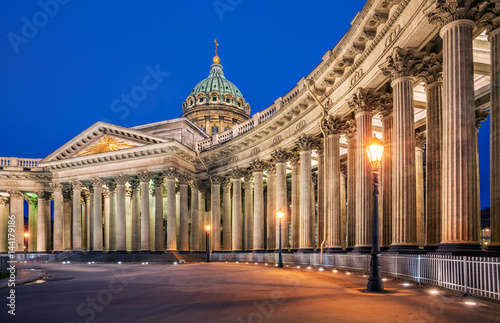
(32, 223)
(113, 208)
(215, 207)
(159, 240)
(17, 209)
(343, 209)
(237, 223)
(204, 219)
(171, 216)
(67, 225)
(306, 217)
(97, 219)
(85, 221)
(295, 216)
(41, 238)
(420, 203)
(271, 210)
(459, 208)
(351, 192)
(404, 226)
(494, 37)
(226, 216)
(77, 218)
(281, 203)
(90, 227)
(333, 201)
(386, 179)
(258, 211)
(107, 215)
(184, 218)
(321, 200)
(4, 218)
(248, 214)
(195, 220)
(121, 232)
(136, 218)
(364, 187)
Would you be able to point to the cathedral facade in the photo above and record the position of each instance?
(420, 75)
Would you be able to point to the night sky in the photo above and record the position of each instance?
(64, 70)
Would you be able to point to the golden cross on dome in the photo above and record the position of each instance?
(216, 57)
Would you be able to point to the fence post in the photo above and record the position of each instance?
(418, 271)
(397, 266)
(466, 278)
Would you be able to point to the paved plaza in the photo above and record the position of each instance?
(220, 292)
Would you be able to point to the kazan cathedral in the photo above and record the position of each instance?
(419, 75)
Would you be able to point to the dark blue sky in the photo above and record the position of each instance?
(62, 72)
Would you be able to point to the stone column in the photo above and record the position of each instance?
(128, 218)
(400, 66)
(314, 186)
(248, 210)
(431, 73)
(67, 223)
(152, 215)
(106, 194)
(204, 216)
(4, 218)
(195, 216)
(113, 210)
(226, 214)
(121, 232)
(350, 133)
(306, 237)
(17, 209)
(41, 242)
(144, 177)
(215, 207)
(57, 245)
(363, 102)
(85, 219)
(32, 221)
(77, 215)
(184, 215)
(321, 194)
(494, 37)
(170, 174)
(343, 205)
(90, 227)
(97, 183)
(136, 211)
(159, 241)
(271, 206)
(258, 167)
(459, 179)
(385, 109)
(280, 157)
(419, 175)
(295, 215)
(333, 127)
(237, 219)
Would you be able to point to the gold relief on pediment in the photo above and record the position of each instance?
(105, 144)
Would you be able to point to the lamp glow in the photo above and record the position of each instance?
(375, 150)
(207, 227)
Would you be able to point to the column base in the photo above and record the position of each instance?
(158, 251)
(431, 248)
(333, 250)
(98, 252)
(145, 251)
(458, 248)
(305, 250)
(236, 251)
(258, 251)
(384, 248)
(362, 249)
(172, 251)
(56, 251)
(404, 248)
(121, 251)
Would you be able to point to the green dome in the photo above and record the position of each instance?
(216, 89)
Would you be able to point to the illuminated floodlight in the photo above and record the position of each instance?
(175, 263)
(470, 303)
(309, 267)
(64, 262)
(266, 263)
(321, 269)
(334, 271)
(119, 262)
(298, 267)
(365, 275)
(237, 262)
(348, 273)
(256, 263)
(384, 279)
(433, 292)
(406, 284)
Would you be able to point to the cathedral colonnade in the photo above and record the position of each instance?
(420, 75)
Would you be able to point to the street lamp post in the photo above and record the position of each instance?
(375, 150)
(208, 244)
(279, 214)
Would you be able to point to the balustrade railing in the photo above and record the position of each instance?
(19, 162)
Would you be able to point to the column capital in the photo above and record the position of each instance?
(226, 181)
(305, 142)
(111, 185)
(44, 195)
(431, 69)
(333, 126)
(106, 192)
(420, 139)
(128, 191)
(120, 179)
(363, 100)
(257, 165)
(152, 189)
(170, 172)
(91, 189)
(248, 175)
(56, 187)
(134, 183)
(216, 179)
(158, 180)
(66, 193)
(30, 200)
(144, 176)
(294, 158)
(4, 200)
(384, 106)
(76, 185)
(443, 12)
(350, 129)
(481, 115)
(271, 168)
(85, 195)
(96, 181)
(402, 63)
(343, 168)
(183, 178)
(280, 155)
(237, 173)
(196, 184)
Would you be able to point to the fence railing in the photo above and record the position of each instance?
(473, 275)
(19, 162)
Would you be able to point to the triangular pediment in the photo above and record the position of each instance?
(102, 138)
